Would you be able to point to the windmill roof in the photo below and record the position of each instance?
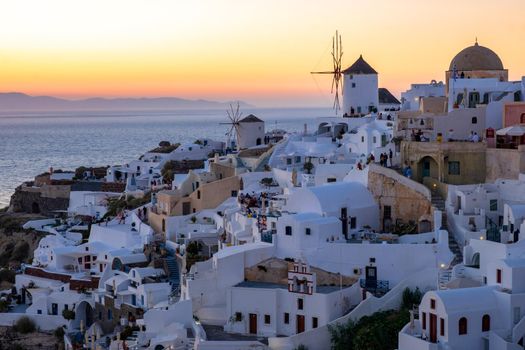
(386, 97)
(360, 67)
(250, 119)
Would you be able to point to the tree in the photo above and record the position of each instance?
(267, 181)
(25, 325)
(308, 166)
(68, 314)
(193, 249)
(341, 335)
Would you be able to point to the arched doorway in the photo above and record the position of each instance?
(425, 226)
(84, 314)
(35, 208)
(427, 167)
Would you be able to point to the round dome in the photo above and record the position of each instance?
(476, 58)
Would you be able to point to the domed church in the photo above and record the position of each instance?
(477, 61)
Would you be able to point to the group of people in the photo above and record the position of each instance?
(474, 137)
(418, 136)
(384, 159)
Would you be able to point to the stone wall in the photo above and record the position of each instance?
(44, 200)
(275, 270)
(471, 157)
(101, 313)
(505, 163)
(409, 201)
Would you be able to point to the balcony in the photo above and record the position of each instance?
(377, 287)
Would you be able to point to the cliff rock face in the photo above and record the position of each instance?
(45, 200)
(16, 244)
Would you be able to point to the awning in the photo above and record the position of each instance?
(515, 130)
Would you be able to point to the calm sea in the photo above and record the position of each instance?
(30, 144)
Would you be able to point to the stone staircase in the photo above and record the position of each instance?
(173, 273)
(445, 275)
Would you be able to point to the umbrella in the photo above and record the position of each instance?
(515, 130)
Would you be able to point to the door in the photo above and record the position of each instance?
(54, 309)
(433, 328)
(473, 99)
(426, 168)
(344, 222)
(186, 208)
(253, 323)
(371, 276)
(300, 323)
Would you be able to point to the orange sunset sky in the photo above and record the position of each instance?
(260, 51)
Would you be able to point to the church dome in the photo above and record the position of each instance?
(476, 57)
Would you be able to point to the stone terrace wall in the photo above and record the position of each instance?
(409, 200)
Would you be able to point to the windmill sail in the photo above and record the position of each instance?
(337, 56)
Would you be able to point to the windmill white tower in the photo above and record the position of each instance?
(234, 116)
(358, 84)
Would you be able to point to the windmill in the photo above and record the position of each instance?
(337, 55)
(234, 115)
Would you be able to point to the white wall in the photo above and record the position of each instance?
(362, 95)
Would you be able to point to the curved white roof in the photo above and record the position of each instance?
(330, 198)
(464, 300)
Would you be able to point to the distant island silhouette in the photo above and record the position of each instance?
(16, 101)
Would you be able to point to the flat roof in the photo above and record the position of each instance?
(268, 285)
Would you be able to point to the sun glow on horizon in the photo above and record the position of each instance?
(257, 51)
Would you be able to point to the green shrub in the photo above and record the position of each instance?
(21, 252)
(7, 275)
(68, 314)
(59, 333)
(25, 325)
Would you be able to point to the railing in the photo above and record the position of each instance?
(493, 233)
(376, 287)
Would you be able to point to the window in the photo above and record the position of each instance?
(234, 193)
(353, 222)
(315, 322)
(462, 329)
(485, 323)
(300, 304)
(493, 205)
(39, 312)
(453, 168)
(288, 161)
(267, 319)
(199, 194)
(372, 260)
(362, 139)
(298, 159)
(359, 109)
(110, 315)
(442, 327)
(517, 314)
(374, 139)
(353, 85)
(423, 320)
(308, 231)
(498, 276)
(474, 120)
(288, 230)
(286, 318)
(433, 304)
(331, 179)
